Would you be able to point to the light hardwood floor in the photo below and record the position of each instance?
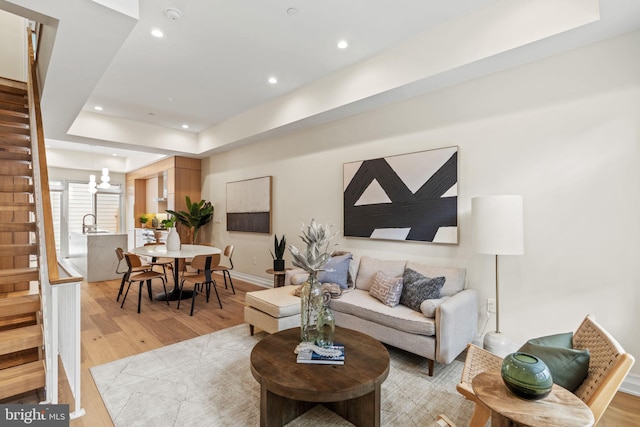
(110, 333)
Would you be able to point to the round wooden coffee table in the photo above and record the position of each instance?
(289, 389)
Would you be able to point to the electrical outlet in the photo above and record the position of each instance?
(254, 261)
(491, 305)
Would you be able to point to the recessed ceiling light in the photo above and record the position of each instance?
(185, 126)
(97, 108)
(342, 44)
(114, 154)
(273, 80)
(157, 33)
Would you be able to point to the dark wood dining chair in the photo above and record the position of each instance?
(201, 278)
(134, 263)
(228, 252)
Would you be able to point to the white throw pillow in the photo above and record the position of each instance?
(428, 306)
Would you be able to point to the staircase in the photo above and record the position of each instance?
(22, 367)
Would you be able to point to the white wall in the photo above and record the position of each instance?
(13, 46)
(563, 132)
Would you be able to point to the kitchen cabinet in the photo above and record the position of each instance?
(181, 177)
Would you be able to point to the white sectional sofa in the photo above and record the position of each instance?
(441, 335)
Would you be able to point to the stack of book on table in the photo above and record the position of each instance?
(311, 357)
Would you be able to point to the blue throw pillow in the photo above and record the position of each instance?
(336, 271)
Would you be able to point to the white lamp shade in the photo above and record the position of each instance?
(497, 225)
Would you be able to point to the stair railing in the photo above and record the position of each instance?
(59, 288)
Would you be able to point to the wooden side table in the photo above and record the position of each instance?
(560, 408)
(278, 276)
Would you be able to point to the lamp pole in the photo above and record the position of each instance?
(497, 298)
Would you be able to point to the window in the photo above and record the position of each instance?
(71, 201)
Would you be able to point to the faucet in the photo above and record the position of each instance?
(87, 227)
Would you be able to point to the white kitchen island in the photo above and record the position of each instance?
(94, 254)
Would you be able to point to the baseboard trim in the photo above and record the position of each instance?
(260, 281)
(631, 385)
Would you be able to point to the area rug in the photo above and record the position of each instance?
(206, 381)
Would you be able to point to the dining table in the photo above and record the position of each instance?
(185, 252)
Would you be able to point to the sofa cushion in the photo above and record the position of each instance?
(370, 266)
(428, 307)
(336, 270)
(417, 287)
(387, 289)
(568, 366)
(361, 304)
(455, 277)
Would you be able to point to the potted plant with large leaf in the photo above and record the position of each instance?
(278, 252)
(196, 215)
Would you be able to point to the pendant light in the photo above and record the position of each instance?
(92, 184)
(105, 178)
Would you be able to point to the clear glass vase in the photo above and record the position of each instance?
(326, 323)
(310, 306)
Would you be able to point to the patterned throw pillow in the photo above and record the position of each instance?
(386, 288)
(418, 287)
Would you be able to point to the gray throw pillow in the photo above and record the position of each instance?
(568, 366)
(336, 271)
(417, 287)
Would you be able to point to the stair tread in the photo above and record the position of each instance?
(16, 206)
(18, 156)
(16, 188)
(18, 249)
(14, 130)
(17, 226)
(17, 275)
(13, 89)
(12, 340)
(22, 378)
(15, 141)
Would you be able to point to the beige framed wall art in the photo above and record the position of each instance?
(249, 205)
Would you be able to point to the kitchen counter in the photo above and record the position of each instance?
(94, 254)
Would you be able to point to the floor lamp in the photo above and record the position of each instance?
(497, 230)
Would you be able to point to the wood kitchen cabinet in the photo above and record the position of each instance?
(182, 175)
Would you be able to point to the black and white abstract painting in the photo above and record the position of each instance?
(406, 197)
(249, 205)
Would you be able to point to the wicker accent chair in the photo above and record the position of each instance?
(608, 366)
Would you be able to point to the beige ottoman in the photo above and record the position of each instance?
(272, 310)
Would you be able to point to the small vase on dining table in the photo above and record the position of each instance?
(173, 240)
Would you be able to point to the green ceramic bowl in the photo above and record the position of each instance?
(526, 376)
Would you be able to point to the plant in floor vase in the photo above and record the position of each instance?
(317, 237)
(278, 252)
(196, 215)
